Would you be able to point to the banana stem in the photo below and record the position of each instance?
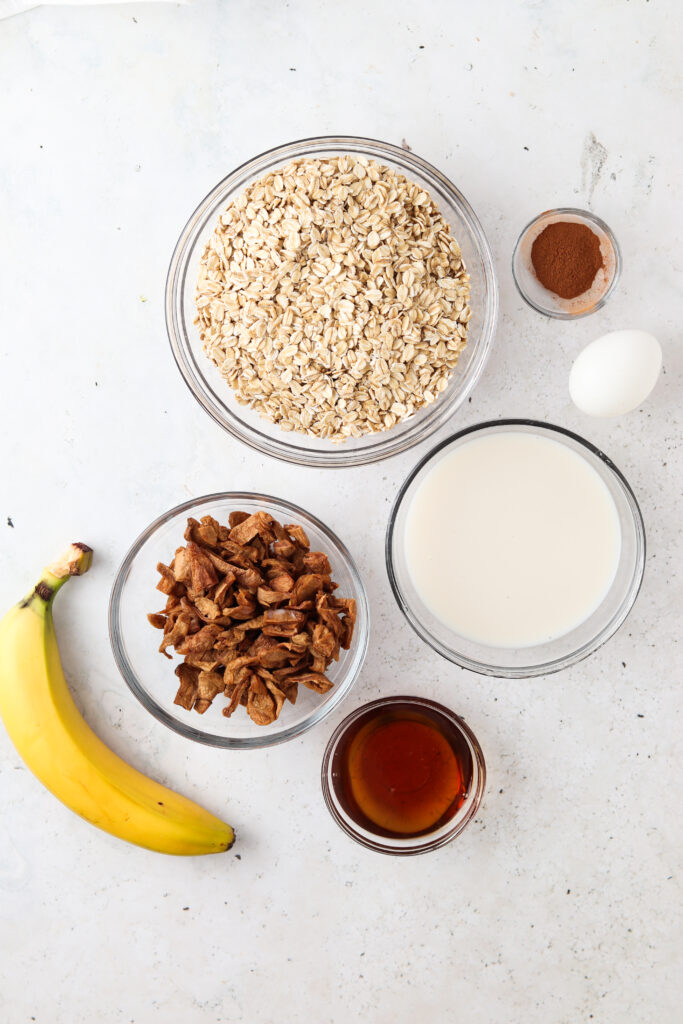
(76, 560)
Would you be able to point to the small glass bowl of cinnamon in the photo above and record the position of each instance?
(566, 263)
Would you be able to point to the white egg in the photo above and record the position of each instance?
(615, 373)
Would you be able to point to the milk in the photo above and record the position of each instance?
(512, 539)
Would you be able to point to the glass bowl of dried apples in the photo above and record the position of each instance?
(239, 620)
(332, 301)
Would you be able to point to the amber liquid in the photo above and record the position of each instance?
(402, 771)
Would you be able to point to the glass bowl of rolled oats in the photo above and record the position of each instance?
(332, 302)
(239, 620)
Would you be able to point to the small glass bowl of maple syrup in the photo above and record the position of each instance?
(403, 775)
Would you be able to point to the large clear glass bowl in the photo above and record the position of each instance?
(212, 391)
(565, 650)
(150, 676)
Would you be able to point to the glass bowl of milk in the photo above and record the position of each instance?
(515, 548)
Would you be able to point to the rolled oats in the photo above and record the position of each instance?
(333, 298)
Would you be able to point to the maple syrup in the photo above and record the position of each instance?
(402, 770)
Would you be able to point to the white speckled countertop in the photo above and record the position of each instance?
(558, 905)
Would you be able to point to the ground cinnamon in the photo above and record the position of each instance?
(566, 257)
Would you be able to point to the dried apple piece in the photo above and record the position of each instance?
(167, 584)
(235, 518)
(258, 523)
(238, 691)
(208, 685)
(187, 691)
(316, 561)
(306, 587)
(282, 582)
(314, 681)
(324, 643)
(260, 703)
(282, 621)
(298, 535)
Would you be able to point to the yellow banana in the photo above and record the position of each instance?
(63, 752)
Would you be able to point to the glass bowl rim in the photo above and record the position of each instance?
(342, 687)
(422, 843)
(605, 228)
(277, 447)
(555, 664)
